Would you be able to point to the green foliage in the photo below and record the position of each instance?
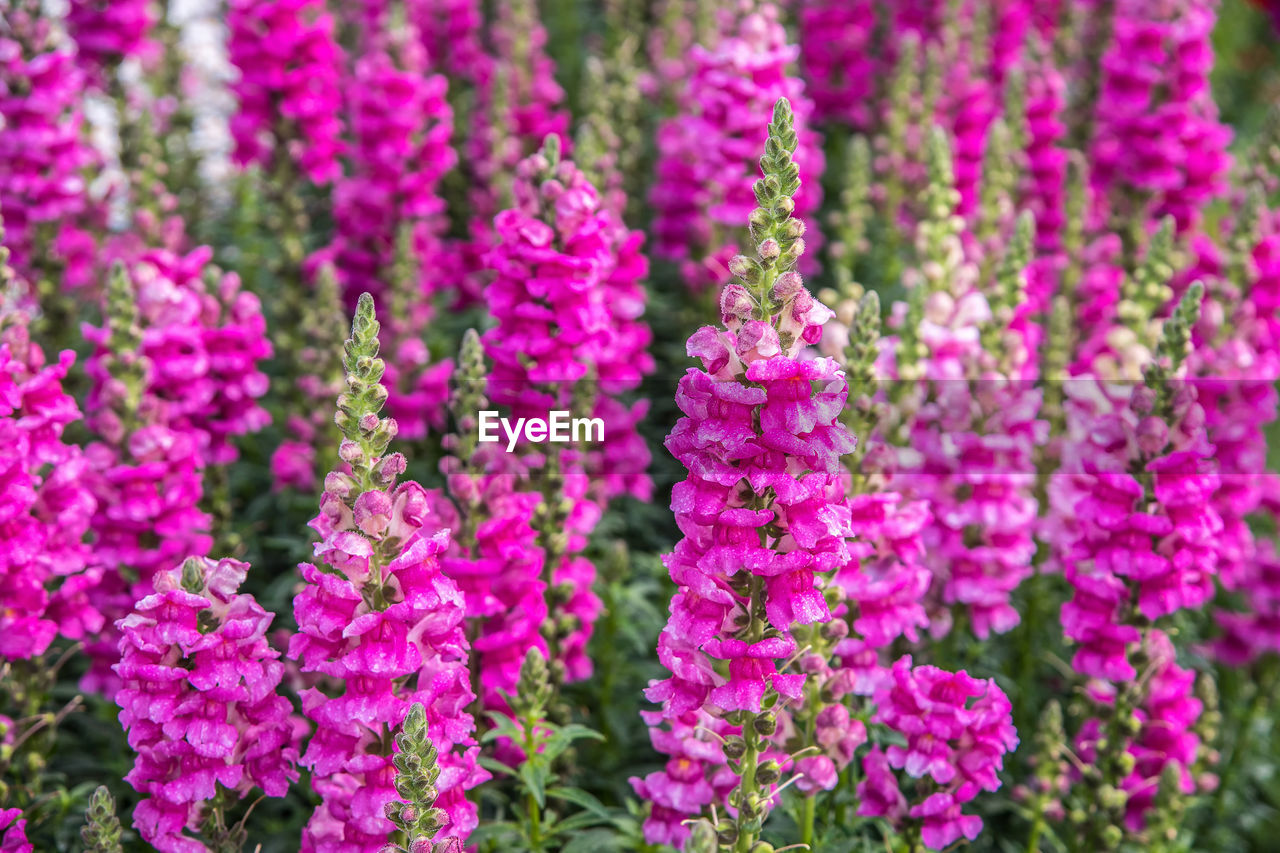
(546, 822)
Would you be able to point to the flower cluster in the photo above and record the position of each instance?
(1157, 135)
(518, 104)
(493, 554)
(289, 90)
(200, 700)
(205, 340)
(567, 301)
(390, 220)
(108, 31)
(379, 616)
(1148, 541)
(146, 475)
(705, 156)
(450, 31)
(43, 152)
(762, 510)
(957, 744)
(973, 428)
(45, 502)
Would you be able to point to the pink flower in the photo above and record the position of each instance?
(45, 503)
(763, 514)
(108, 31)
(839, 62)
(379, 616)
(43, 148)
(706, 155)
(957, 731)
(1156, 127)
(289, 63)
(14, 837)
(878, 792)
(199, 699)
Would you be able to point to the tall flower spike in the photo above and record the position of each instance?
(702, 193)
(358, 406)
(46, 567)
(493, 555)
(379, 617)
(763, 513)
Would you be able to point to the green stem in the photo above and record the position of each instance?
(809, 818)
(1037, 829)
(746, 840)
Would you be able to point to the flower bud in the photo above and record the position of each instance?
(1152, 434)
(349, 451)
(768, 773)
(789, 284)
(736, 301)
(765, 724)
(770, 249)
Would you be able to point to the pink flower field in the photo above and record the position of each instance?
(556, 426)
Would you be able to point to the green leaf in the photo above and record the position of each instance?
(563, 736)
(594, 841)
(495, 766)
(534, 776)
(579, 797)
(577, 823)
(493, 830)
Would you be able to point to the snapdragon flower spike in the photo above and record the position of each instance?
(1150, 740)
(200, 700)
(391, 220)
(145, 475)
(762, 509)
(289, 88)
(379, 617)
(839, 61)
(1140, 482)
(568, 302)
(45, 501)
(205, 342)
(450, 32)
(106, 32)
(1156, 133)
(955, 746)
(493, 554)
(518, 105)
(974, 432)
(401, 126)
(44, 152)
(703, 191)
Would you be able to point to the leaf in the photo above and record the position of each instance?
(576, 823)
(495, 765)
(534, 776)
(492, 830)
(562, 736)
(579, 797)
(593, 841)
